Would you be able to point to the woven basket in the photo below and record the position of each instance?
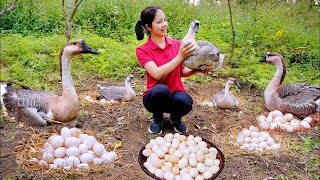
(220, 156)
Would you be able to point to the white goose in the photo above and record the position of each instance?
(40, 107)
(205, 54)
(118, 93)
(224, 99)
(299, 99)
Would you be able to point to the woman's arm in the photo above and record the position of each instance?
(157, 72)
(186, 72)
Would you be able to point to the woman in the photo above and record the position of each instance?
(161, 57)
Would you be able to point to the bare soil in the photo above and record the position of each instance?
(129, 122)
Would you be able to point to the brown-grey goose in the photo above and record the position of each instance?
(224, 99)
(39, 107)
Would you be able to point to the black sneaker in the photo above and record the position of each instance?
(155, 128)
(180, 127)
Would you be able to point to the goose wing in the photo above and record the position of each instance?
(25, 98)
(115, 93)
(299, 93)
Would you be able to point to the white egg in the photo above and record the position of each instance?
(174, 159)
(83, 148)
(152, 169)
(246, 133)
(178, 153)
(167, 144)
(277, 113)
(263, 145)
(175, 144)
(147, 165)
(91, 152)
(191, 143)
(160, 140)
(186, 176)
(182, 138)
(52, 166)
(75, 132)
(304, 124)
(240, 141)
(182, 145)
(252, 129)
(270, 141)
(208, 174)
(59, 152)
(269, 118)
(96, 161)
(308, 120)
(288, 117)
(273, 126)
(59, 162)
(48, 157)
(261, 118)
(34, 160)
(68, 168)
(47, 147)
(279, 119)
(247, 140)
(84, 166)
(72, 142)
(254, 140)
(168, 176)
(214, 169)
(176, 135)
(201, 158)
(190, 137)
(193, 172)
(82, 137)
(166, 168)
(183, 162)
(168, 137)
(98, 149)
(72, 161)
(65, 132)
(160, 153)
(193, 149)
(86, 158)
(275, 146)
(216, 162)
(159, 173)
(264, 125)
(199, 177)
(175, 170)
(113, 154)
(146, 152)
(43, 163)
(56, 141)
(89, 141)
(209, 162)
(72, 151)
(193, 162)
(201, 167)
(255, 134)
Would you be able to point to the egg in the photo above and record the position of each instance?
(82, 137)
(98, 149)
(157, 163)
(48, 157)
(84, 166)
(182, 138)
(261, 118)
(247, 140)
(72, 161)
(264, 125)
(288, 117)
(201, 167)
(152, 169)
(186, 176)
(275, 146)
(89, 141)
(59, 162)
(174, 159)
(56, 141)
(65, 132)
(246, 133)
(175, 170)
(252, 129)
(199, 177)
(160, 140)
(270, 141)
(183, 162)
(43, 163)
(72, 142)
(86, 158)
(304, 124)
(83, 148)
(193, 162)
(308, 120)
(168, 137)
(166, 168)
(201, 158)
(146, 152)
(168, 176)
(263, 145)
(72, 151)
(176, 135)
(47, 147)
(159, 173)
(193, 172)
(160, 153)
(52, 166)
(216, 162)
(269, 118)
(96, 161)
(209, 162)
(75, 132)
(207, 174)
(214, 169)
(59, 152)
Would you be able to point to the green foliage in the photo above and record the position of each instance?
(33, 34)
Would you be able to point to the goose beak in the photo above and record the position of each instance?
(87, 49)
(237, 83)
(196, 27)
(263, 59)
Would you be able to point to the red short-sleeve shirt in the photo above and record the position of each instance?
(152, 52)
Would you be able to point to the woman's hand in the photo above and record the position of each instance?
(206, 70)
(186, 49)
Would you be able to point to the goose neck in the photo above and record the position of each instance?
(278, 77)
(226, 89)
(66, 78)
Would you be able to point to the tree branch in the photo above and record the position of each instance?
(8, 9)
(255, 20)
(233, 32)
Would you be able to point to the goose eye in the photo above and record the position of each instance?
(74, 43)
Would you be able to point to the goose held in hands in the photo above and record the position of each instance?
(299, 99)
(119, 93)
(205, 54)
(224, 99)
(40, 107)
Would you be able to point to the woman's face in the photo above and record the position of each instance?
(159, 25)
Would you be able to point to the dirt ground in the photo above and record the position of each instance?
(129, 122)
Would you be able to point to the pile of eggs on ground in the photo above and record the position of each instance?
(74, 150)
(278, 121)
(253, 140)
(176, 156)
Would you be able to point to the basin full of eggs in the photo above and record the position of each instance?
(253, 140)
(278, 121)
(73, 149)
(176, 156)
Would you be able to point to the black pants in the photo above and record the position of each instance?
(159, 100)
